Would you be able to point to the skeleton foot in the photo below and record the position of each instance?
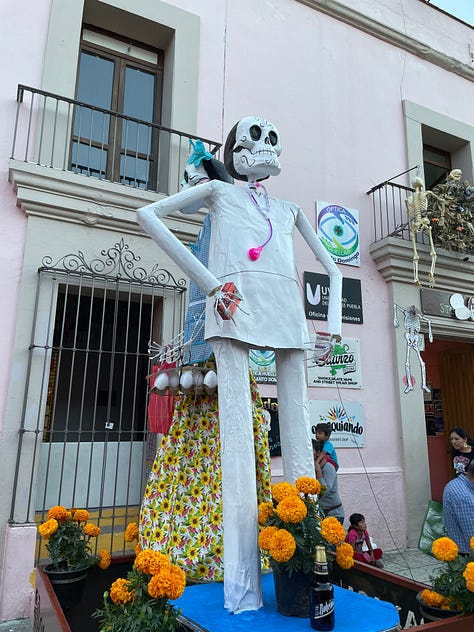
(408, 389)
(425, 388)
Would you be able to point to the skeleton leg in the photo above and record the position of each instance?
(409, 386)
(242, 579)
(416, 258)
(423, 370)
(433, 257)
(293, 415)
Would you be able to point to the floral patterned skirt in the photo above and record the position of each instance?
(181, 513)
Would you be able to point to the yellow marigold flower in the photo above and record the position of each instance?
(131, 532)
(332, 530)
(104, 559)
(59, 513)
(307, 485)
(469, 576)
(345, 555)
(138, 548)
(432, 598)
(265, 510)
(282, 546)
(81, 515)
(280, 490)
(48, 528)
(471, 543)
(445, 549)
(177, 583)
(119, 591)
(291, 509)
(91, 530)
(265, 536)
(143, 559)
(157, 562)
(158, 585)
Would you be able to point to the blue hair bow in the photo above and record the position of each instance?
(198, 154)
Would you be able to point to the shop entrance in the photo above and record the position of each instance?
(450, 375)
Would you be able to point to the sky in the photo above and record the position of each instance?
(463, 9)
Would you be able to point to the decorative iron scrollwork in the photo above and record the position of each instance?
(118, 261)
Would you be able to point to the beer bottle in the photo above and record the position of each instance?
(321, 599)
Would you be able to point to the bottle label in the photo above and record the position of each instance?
(323, 609)
(321, 568)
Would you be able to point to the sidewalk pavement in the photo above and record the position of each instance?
(411, 563)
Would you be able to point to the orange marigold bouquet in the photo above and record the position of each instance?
(453, 587)
(140, 603)
(292, 527)
(68, 536)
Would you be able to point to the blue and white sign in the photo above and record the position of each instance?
(338, 229)
(347, 422)
(262, 364)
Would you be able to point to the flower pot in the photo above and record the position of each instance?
(432, 613)
(68, 585)
(292, 593)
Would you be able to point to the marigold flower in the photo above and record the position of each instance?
(119, 591)
(265, 510)
(104, 559)
(432, 598)
(177, 583)
(81, 515)
(469, 576)
(131, 532)
(91, 530)
(143, 560)
(60, 513)
(471, 543)
(48, 528)
(307, 485)
(345, 555)
(158, 585)
(445, 549)
(280, 490)
(158, 562)
(282, 546)
(291, 509)
(332, 530)
(265, 537)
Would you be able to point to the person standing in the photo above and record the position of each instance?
(326, 474)
(458, 508)
(462, 451)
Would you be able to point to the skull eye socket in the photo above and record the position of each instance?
(255, 132)
(273, 138)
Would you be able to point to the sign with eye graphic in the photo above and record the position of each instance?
(338, 229)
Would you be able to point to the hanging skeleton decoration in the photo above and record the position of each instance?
(412, 323)
(419, 222)
(252, 301)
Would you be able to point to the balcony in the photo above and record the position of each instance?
(71, 136)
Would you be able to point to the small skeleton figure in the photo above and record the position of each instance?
(419, 221)
(412, 323)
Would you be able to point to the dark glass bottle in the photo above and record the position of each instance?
(321, 598)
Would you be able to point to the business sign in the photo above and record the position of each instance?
(436, 303)
(316, 298)
(262, 364)
(346, 420)
(338, 230)
(342, 370)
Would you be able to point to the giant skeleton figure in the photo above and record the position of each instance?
(270, 315)
(419, 222)
(412, 322)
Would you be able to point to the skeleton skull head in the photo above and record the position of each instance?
(252, 149)
(455, 174)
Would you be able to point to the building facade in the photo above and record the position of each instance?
(99, 101)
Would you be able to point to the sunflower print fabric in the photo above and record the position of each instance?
(181, 513)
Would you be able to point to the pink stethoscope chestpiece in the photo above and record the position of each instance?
(254, 253)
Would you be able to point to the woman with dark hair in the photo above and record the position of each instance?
(462, 451)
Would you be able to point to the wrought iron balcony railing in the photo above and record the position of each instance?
(61, 133)
(390, 212)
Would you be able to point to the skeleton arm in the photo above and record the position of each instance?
(395, 315)
(430, 333)
(335, 276)
(149, 218)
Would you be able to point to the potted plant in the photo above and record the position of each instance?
(68, 536)
(452, 588)
(291, 529)
(140, 602)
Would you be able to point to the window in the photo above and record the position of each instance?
(115, 139)
(436, 165)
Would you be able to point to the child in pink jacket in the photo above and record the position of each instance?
(357, 536)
